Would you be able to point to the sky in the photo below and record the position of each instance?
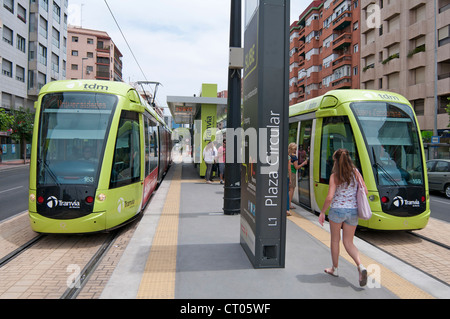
(179, 43)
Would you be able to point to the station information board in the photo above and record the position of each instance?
(264, 188)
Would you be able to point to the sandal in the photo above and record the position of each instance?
(288, 213)
(362, 275)
(333, 271)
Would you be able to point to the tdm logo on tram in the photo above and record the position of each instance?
(52, 202)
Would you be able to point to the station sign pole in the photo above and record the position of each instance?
(264, 188)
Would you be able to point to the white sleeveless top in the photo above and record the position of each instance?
(345, 195)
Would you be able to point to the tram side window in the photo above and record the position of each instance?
(126, 164)
(336, 133)
(153, 145)
(147, 146)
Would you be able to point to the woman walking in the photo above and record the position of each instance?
(343, 212)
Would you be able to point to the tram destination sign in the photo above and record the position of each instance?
(265, 117)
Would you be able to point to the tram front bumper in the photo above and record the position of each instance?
(95, 222)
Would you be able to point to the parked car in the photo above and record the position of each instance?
(439, 175)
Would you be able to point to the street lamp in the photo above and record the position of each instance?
(82, 67)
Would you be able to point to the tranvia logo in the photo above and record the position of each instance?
(120, 204)
(399, 202)
(53, 202)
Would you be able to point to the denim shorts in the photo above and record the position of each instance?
(347, 215)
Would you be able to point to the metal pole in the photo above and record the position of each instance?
(232, 191)
(436, 101)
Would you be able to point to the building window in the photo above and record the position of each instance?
(443, 102)
(43, 27)
(444, 35)
(419, 106)
(20, 74)
(90, 55)
(21, 43)
(74, 53)
(21, 13)
(90, 41)
(7, 68)
(9, 5)
(42, 54)
(74, 39)
(74, 67)
(7, 35)
(56, 12)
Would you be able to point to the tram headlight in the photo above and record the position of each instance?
(101, 197)
(32, 197)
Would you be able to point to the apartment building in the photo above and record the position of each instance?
(398, 54)
(324, 49)
(92, 54)
(32, 50)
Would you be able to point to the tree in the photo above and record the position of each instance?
(22, 127)
(6, 120)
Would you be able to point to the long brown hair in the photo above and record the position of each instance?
(343, 166)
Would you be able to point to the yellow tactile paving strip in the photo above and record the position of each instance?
(389, 280)
(158, 281)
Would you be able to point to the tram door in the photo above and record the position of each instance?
(304, 144)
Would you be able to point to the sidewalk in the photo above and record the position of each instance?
(6, 164)
(186, 248)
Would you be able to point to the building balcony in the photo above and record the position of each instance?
(443, 84)
(314, 43)
(417, 29)
(342, 41)
(294, 59)
(391, 10)
(443, 52)
(294, 43)
(415, 3)
(417, 60)
(367, 49)
(343, 21)
(391, 38)
(342, 83)
(342, 60)
(393, 66)
(417, 91)
(314, 60)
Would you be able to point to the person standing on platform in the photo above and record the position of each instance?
(293, 167)
(221, 153)
(209, 155)
(344, 211)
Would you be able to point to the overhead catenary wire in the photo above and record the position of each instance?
(132, 53)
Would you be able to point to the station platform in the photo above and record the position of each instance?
(186, 248)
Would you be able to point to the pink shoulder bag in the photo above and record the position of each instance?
(364, 211)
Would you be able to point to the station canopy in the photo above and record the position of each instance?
(184, 109)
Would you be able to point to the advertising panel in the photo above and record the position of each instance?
(264, 188)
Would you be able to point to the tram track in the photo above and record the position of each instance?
(78, 284)
(43, 267)
(9, 257)
(421, 252)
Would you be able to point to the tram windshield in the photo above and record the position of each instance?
(392, 141)
(72, 131)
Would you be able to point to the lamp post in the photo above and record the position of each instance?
(232, 189)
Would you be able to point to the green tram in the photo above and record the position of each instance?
(98, 153)
(381, 133)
